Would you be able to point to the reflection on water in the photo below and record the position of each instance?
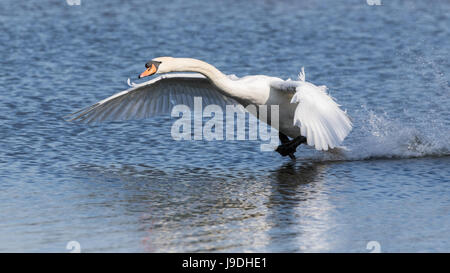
(203, 212)
(298, 199)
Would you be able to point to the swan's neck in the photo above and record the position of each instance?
(194, 65)
(219, 79)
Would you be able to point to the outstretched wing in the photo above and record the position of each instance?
(317, 115)
(154, 97)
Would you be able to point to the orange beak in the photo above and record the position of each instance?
(150, 71)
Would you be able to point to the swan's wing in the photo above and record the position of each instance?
(154, 97)
(317, 115)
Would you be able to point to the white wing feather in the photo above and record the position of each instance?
(154, 97)
(317, 115)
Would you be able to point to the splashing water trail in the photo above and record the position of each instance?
(382, 137)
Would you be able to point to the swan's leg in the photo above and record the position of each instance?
(288, 147)
(281, 149)
(283, 138)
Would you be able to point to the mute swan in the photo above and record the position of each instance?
(307, 113)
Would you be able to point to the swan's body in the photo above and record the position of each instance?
(305, 109)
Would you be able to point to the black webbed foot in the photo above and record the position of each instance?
(289, 147)
(286, 149)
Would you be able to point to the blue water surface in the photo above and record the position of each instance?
(129, 187)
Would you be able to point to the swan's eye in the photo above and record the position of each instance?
(149, 64)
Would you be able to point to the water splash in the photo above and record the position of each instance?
(381, 137)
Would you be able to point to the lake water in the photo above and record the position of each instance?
(129, 187)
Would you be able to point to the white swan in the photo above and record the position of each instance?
(307, 113)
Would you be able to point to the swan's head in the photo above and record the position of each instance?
(158, 65)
